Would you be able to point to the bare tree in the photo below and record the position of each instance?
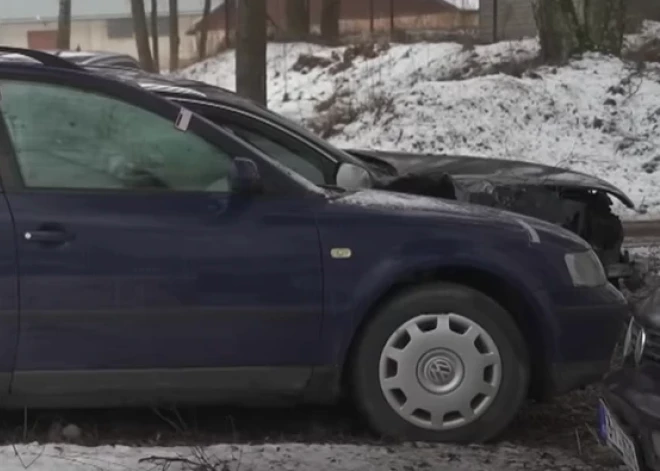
(297, 18)
(64, 25)
(371, 17)
(568, 27)
(229, 8)
(141, 34)
(251, 49)
(330, 13)
(174, 35)
(204, 31)
(155, 46)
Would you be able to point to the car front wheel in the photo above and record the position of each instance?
(441, 362)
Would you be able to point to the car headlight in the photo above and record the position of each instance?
(585, 269)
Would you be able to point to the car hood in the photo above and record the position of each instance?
(475, 170)
(457, 212)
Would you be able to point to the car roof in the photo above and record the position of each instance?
(82, 58)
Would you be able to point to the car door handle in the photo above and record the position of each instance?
(48, 236)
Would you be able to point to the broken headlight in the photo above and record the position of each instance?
(632, 334)
(585, 269)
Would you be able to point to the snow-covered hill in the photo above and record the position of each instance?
(598, 115)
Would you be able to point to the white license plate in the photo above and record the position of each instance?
(614, 436)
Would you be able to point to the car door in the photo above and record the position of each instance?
(139, 270)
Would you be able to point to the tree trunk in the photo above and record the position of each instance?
(64, 25)
(297, 18)
(228, 13)
(371, 17)
(141, 34)
(569, 27)
(251, 49)
(330, 15)
(174, 35)
(154, 35)
(204, 31)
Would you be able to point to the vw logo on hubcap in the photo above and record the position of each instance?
(439, 371)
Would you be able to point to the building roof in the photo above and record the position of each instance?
(350, 9)
(22, 11)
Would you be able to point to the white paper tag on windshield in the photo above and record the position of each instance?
(183, 120)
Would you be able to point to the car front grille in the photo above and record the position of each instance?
(651, 352)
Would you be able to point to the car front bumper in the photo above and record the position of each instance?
(589, 327)
(633, 396)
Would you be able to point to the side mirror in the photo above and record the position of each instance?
(353, 177)
(244, 177)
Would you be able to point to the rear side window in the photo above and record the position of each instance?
(73, 139)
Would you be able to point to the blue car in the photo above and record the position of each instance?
(150, 256)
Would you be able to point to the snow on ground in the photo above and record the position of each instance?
(285, 457)
(596, 115)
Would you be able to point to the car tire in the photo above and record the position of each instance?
(438, 367)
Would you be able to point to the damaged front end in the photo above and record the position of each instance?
(578, 202)
(587, 213)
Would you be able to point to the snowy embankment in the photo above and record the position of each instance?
(598, 115)
(284, 457)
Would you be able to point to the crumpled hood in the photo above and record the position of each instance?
(537, 231)
(467, 170)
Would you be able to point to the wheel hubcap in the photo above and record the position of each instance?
(440, 371)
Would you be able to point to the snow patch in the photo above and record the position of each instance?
(385, 199)
(299, 457)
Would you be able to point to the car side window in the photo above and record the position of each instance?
(68, 138)
(302, 161)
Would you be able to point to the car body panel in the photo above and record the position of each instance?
(205, 271)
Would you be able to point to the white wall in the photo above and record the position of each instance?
(93, 35)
